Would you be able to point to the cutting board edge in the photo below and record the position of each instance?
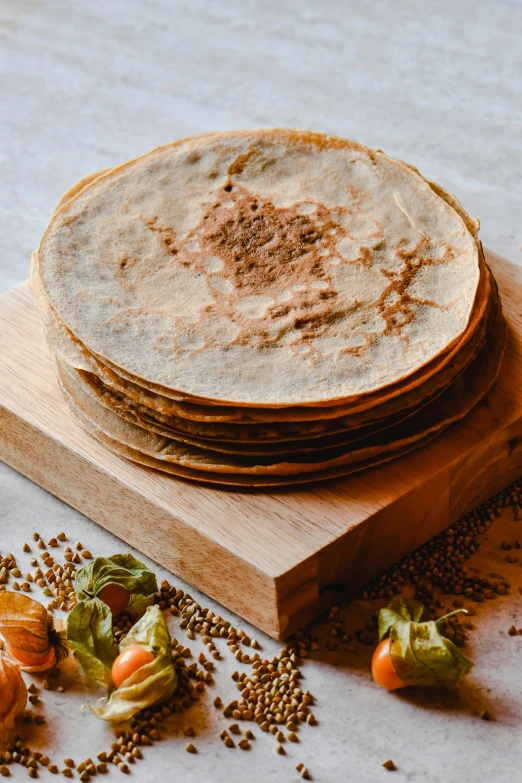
(275, 598)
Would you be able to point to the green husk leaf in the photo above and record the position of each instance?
(150, 632)
(154, 682)
(398, 609)
(420, 654)
(89, 633)
(123, 570)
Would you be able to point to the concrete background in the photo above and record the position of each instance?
(86, 85)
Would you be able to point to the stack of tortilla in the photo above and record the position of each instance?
(266, 307)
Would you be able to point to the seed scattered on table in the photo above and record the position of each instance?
(270, 692)
(440, 563)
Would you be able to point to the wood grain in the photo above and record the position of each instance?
(277, 558)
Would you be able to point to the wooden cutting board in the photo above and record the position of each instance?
(276, 558)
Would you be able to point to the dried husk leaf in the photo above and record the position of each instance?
(13, 694)
(419, 653)
(28, 628)
(38, 665)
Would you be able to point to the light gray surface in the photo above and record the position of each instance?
(432, 739)
(86, 85)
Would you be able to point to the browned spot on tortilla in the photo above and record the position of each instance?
(365, 257)
(400, 312)
(266, 250)
(264, 247)
(166, 234)
(238, 164)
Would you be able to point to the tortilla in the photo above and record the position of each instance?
(246, 482)
(277, 436)
(72, 382)
(73, 353)
(454, 404)
(269, 268)
(264, 308)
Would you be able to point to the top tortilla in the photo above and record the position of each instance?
(72, 353)
(264, 268)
